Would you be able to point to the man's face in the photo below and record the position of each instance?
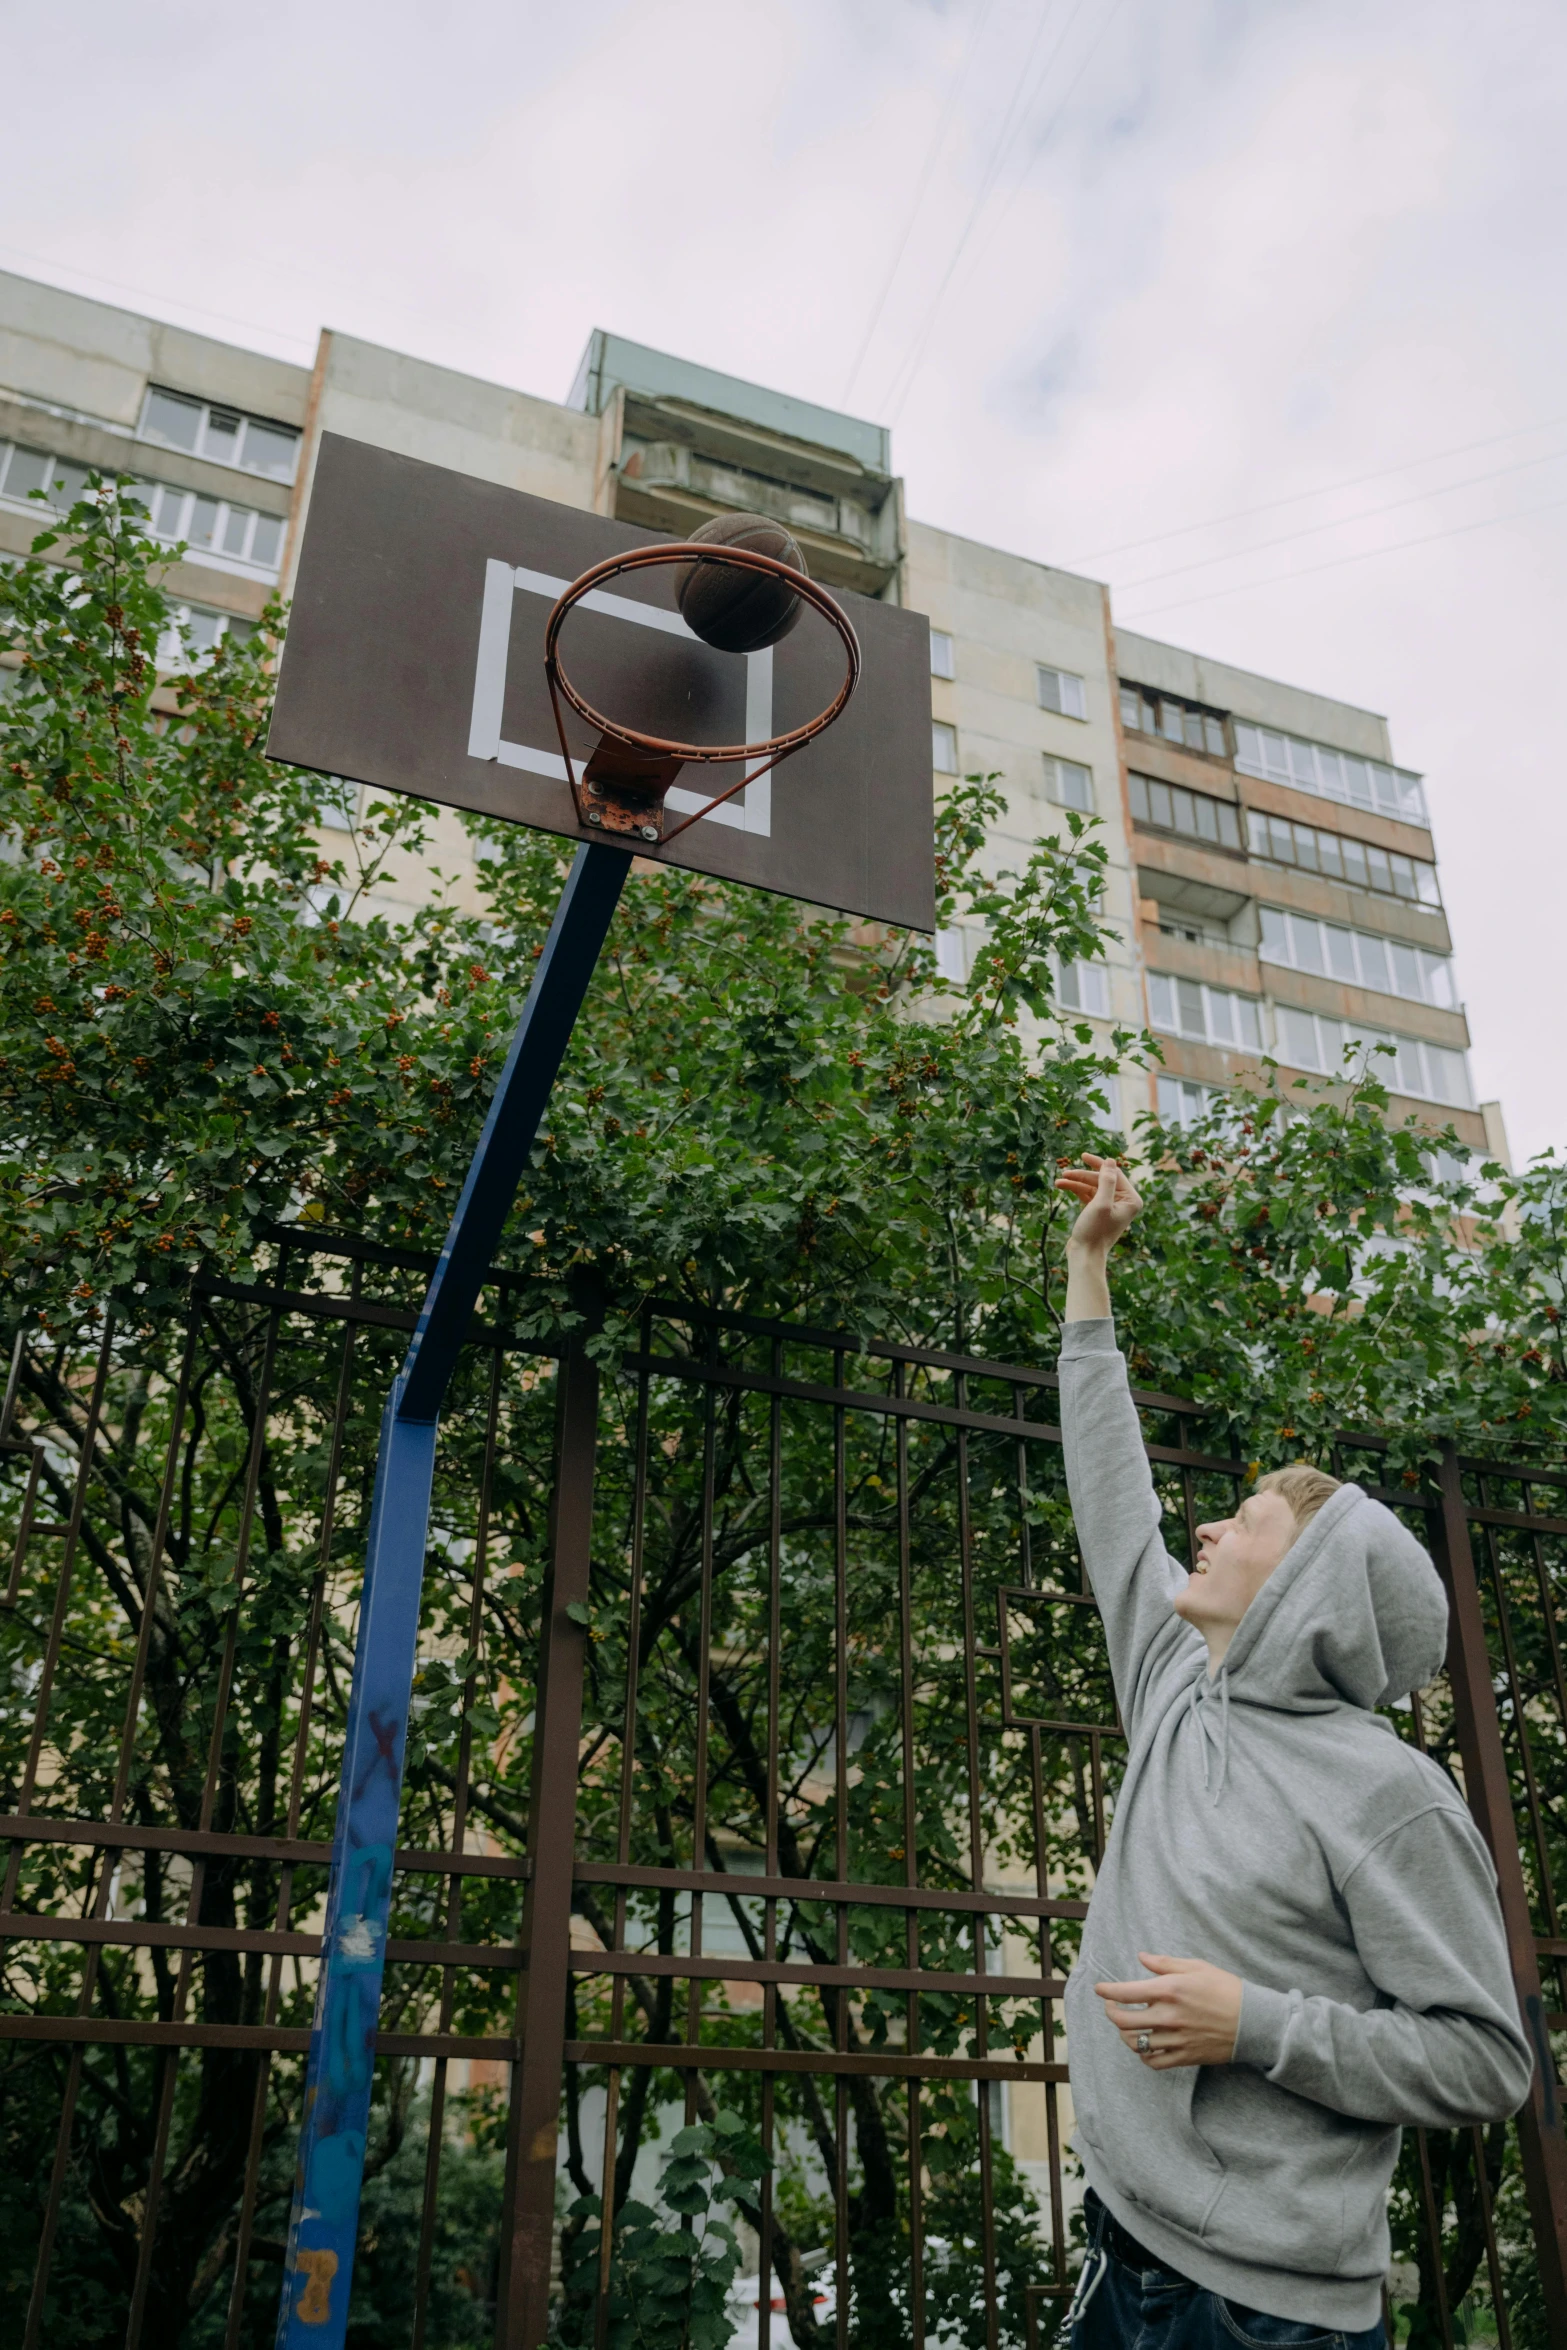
(1235, 1557)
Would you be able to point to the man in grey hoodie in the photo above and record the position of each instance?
(1313, 1908)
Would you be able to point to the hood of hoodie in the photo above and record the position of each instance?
(1354, 1614)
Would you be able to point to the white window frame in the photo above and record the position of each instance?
(1142, 786)
(1262, 845)
(205, 412)
(1070, 691)
(1414, 1073)
(943, 654)
(1329, 774)
(952, 955)
(173, 651)
(1089, 982)
(1182, 1101)
(171, 510)
(944, 747)
(1350, 956)
(1056, 790)
(1226, 1013)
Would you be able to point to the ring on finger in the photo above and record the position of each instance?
(1143, 2043)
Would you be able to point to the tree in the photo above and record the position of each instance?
(215, 1043)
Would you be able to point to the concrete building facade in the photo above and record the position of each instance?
(1273, 885)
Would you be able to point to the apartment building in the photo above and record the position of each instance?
(1273, 885)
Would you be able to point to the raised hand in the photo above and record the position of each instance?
(1109, 1203)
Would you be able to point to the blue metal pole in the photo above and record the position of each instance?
(324, 2222)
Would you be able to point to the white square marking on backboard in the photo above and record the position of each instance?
(750, 810)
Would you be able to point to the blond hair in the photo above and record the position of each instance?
(1302, 1488)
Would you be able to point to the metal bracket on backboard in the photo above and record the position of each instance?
(621, 790)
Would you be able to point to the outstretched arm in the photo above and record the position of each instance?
(1114, 1506)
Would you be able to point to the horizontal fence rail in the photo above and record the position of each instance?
(765, 1753)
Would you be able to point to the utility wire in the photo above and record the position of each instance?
(1336, 562)
(1327, 489)
(1344, 522)
(936, 145)
(903, 382)
(1023, 94)
(169, 301)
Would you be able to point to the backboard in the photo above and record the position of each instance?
(414, 662)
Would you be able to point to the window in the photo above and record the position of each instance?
(1429, 1072)
(1358, 956)
(1182, 1103)
(337, 810)
(1173, 810)
(943, 748)
(942, 662)
(952, 956)
(1060, 691)
(1069, 785)
(203, 631)
(227, 536)
(1359, 862)
(1083, 987)
(24, 470)
(224, 435)
(1186, 723)
(1330, 775)
(1213, 1015)
(215, 530)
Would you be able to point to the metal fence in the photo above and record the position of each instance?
(763, 1757)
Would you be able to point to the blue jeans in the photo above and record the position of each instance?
(1127, 2300)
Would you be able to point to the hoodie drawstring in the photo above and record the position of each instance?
(1210, 1734)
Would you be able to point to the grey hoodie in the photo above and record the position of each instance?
(1271, 1822)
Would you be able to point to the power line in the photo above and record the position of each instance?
(1327, 489)
(1345, 521)
(168, 301)
(1022, 97)
(910, 371)
(1336, 562)
(936, 145)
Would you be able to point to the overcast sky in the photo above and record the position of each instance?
(1254, 310)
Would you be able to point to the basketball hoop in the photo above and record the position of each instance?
(627, 774)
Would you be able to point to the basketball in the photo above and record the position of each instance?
(739, 611)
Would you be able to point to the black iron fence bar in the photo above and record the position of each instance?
(1489, 1794)
(895, 1406)
(213, 1843)
(283, 1913)
(840, 1653)
(1520, 1728)
(113, 2031)
(623, 1826)
(1521, 1521)
(327, 1305)
(843, 1342)
(881, 2064)
(222, 1698)
(847, 1892)
(179, 1934)
(723, 1968)
(523, 2292)
(435, 2128)
(772, 1765)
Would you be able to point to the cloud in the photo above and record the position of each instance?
(1202, 257)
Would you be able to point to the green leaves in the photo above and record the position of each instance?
(670, 2285)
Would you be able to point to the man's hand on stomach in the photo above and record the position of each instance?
(1189, 2013)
